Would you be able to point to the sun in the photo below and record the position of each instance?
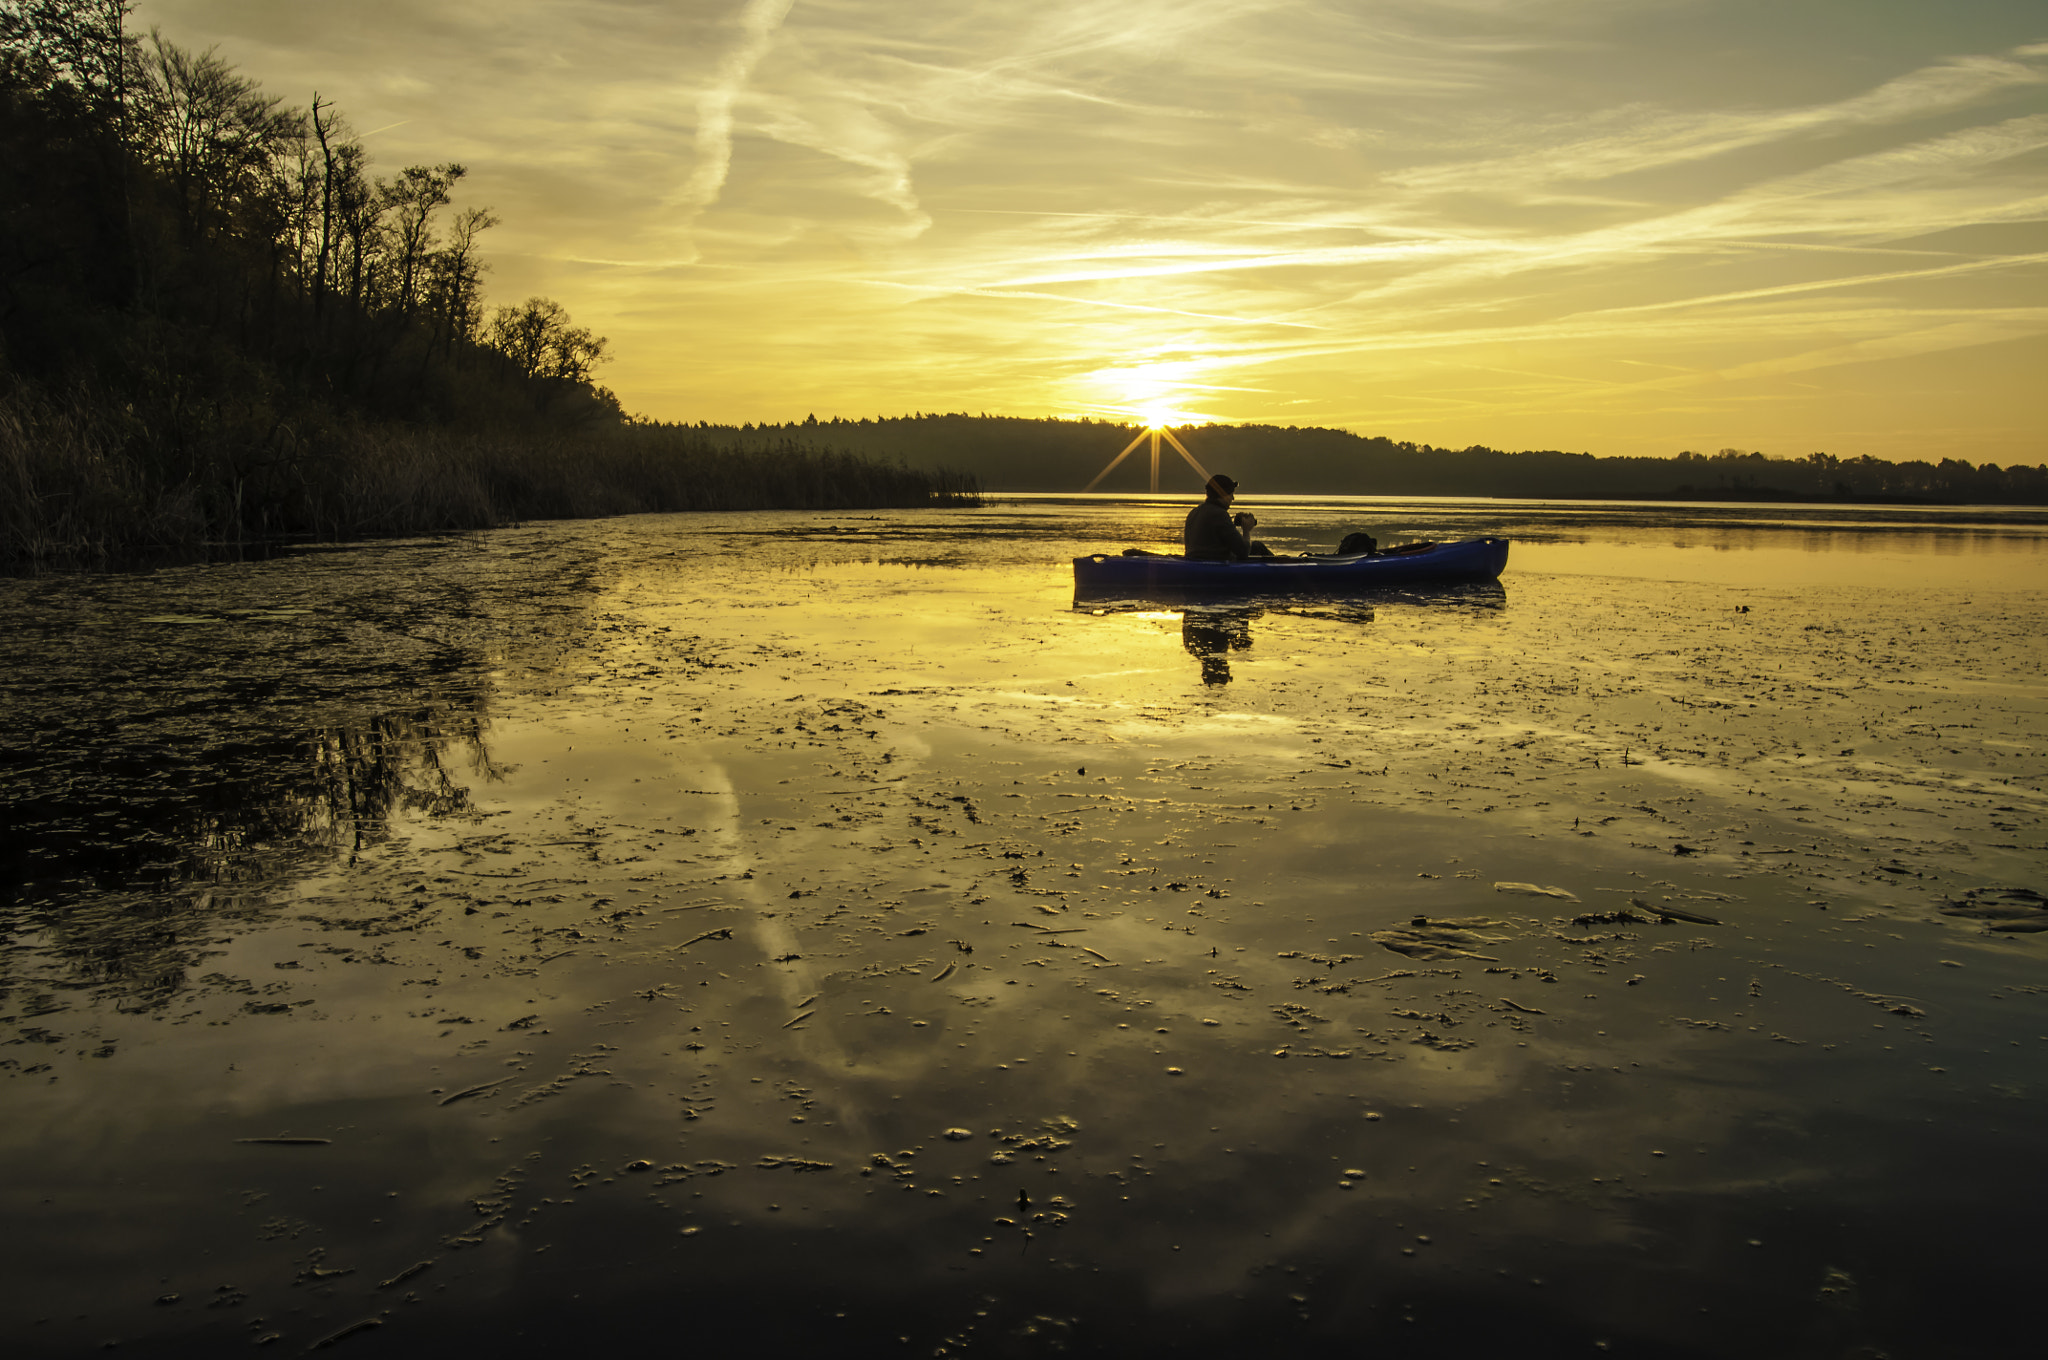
(1148, 392)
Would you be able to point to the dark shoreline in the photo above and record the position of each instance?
(81, 484)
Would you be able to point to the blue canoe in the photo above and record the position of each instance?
(1475, 559)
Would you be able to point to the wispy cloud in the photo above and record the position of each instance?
(1847, 281)
(1643, 139)
(755, 27)
(1621, 224)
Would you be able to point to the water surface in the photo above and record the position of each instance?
(794, 932)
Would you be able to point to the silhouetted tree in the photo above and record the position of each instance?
(213, 137)
(411, 201)
(537, 338)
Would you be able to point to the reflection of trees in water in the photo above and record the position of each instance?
(182, 747)
(396, 763)
(129, 892)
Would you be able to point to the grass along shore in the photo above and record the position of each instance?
(86, 480)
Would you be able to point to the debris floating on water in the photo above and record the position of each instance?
(1536, 890)
(474, 1091)
(345, 1333)
(1675, 913)
(402, 1276)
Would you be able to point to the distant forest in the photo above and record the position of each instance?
(216, 322)
(1017, 454)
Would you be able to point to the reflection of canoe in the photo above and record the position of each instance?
(1475, 559)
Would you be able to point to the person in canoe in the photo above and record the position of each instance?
(1213, 534)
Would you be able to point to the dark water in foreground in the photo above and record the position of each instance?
(816, 937)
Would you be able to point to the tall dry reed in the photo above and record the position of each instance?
(85, 479)
(68, 487)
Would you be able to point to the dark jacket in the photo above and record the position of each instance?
(1211, 537)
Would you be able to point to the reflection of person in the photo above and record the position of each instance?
(1213, 534)
(1212, 635)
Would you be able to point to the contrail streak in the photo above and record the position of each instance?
(757, 24)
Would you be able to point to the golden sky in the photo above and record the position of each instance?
(1622, 226)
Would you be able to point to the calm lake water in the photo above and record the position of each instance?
(786, 934)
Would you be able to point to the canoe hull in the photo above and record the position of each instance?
(1101, 576)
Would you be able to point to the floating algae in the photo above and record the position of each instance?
(2010, 910)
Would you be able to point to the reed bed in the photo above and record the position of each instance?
(85, 479)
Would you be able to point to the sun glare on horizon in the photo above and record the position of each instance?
(1149, 392)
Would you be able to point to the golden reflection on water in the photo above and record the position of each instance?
(1754, 557)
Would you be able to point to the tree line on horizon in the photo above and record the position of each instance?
(1015, 453)
(217, 321)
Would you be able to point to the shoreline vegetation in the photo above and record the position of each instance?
(218, 326)
(82, 480)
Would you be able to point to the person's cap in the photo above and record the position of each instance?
(1222, 483)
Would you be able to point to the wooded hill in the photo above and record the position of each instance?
(1019, 454)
